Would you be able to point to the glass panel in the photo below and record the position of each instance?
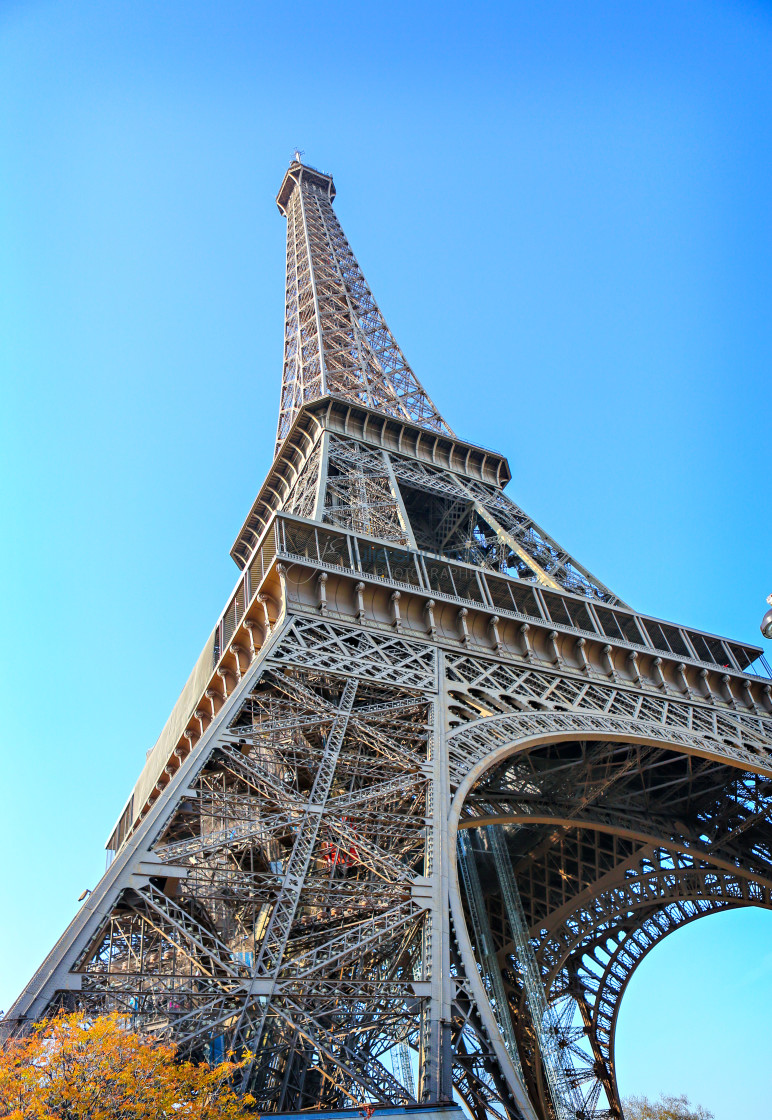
(525, 600)
(629, 628)
(440, 579)
(675, 640)
(403, 566)
(703, 653)
(333, 549)
(228, 623)
(238, 605)
(256, 572)
(744, 657)
(658, 639)
(301, 540)
(500, 594)
(268, 547)
(718, 654)
(466, 583)
(557, 609)
(374, 559)
(608, 621)
(581, 616)
(710, 649)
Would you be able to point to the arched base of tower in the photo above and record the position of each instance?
(576, 856)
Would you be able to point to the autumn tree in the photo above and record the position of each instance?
(666, 1108)
(75, 1068)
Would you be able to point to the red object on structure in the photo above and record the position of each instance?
(335, 856)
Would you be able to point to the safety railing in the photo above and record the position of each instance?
(331, 547)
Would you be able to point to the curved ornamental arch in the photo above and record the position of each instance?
(581, 840)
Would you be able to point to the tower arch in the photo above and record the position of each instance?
(605, 864)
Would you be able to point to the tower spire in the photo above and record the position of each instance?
(336, 341)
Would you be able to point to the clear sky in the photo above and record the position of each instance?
(563, 210)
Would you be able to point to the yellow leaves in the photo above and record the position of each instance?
(75, 1068)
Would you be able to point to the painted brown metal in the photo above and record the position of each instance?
(407, 654)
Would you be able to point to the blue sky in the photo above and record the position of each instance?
(563, 210)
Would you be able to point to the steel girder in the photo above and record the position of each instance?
(285, 880)
(337, 343)
(614, 844)
(291, 897)
(336, 339)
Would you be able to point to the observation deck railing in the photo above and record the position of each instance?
(327, 546)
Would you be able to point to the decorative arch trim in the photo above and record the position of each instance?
(476, 748)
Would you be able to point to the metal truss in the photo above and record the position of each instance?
(486, 952)
(554, 1058)
(337, 342)
(613, 845)
(479, 524)
(336, 339)
(388, 496)
(360, 494)
(288, 923)
(414, 821)
(303, 497)
(292, 908)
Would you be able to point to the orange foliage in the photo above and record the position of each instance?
(75, 1068)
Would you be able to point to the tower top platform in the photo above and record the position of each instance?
(296, 173)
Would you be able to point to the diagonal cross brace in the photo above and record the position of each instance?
(362, 1068)
(276, 936)
(271, 954)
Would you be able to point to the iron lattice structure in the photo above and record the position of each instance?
(432, 791)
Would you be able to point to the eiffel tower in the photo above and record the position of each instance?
(432, 791)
